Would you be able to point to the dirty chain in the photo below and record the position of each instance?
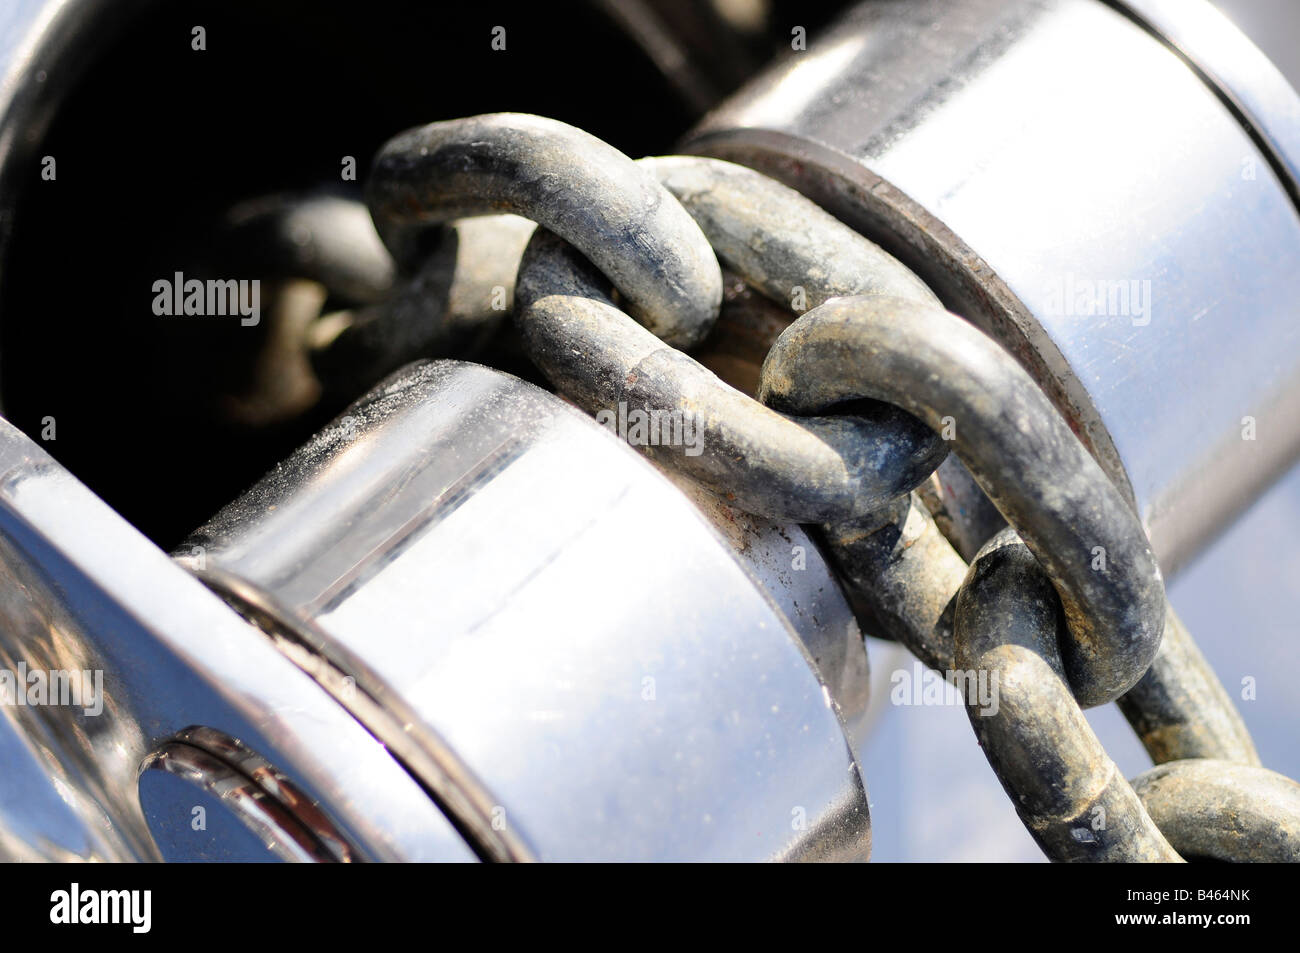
(859, 400)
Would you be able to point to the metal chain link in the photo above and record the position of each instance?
(1065, 608)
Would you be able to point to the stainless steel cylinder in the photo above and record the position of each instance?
(556, 643)
(1107, 189)
(141, 665)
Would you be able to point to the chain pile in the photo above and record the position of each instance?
(859, 400)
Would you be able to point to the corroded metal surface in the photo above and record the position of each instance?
(1221, 810)
(1018, 448)
(903, 576)
(460, 294)
(326, 238)
(1072, 798)
(801, 469)
(568, 181)
(778, 240)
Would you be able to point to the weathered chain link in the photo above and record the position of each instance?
(805, 469)
(574, 185)
(1066, 608)
(1068, 792)
(453, 303)
(1015, 444)
(1223, 810)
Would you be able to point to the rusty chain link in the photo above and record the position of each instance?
(860, 399)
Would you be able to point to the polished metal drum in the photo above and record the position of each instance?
(552, 638)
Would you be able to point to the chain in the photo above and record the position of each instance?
(859, 400)
(802, 469)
